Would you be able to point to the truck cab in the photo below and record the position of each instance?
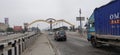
(91, 34)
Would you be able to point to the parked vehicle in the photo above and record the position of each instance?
(60, 35)
(3, 33)
(50, 33)
(104, 25)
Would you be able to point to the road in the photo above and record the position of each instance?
(77, 45)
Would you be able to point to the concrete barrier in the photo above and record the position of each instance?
(17, 45)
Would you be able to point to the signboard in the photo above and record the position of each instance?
(80, 18)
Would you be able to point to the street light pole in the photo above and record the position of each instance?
(80, 21)
(51, 25)
(37, 28)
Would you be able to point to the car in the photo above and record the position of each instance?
(60, 35)
(50, 33)
(3, 33)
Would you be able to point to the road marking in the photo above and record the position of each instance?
(83, 39)
(55, 50)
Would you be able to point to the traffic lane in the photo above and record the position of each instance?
(77, 46)
(74, 47)
(110, 50)
(77, 35)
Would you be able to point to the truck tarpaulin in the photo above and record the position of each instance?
(107, 19)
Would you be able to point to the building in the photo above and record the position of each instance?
(7, 21)
(18, 28)
(26, 26)
(3, 27)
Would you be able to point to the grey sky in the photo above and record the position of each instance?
(20, 11)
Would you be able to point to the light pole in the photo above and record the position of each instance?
(51, 25)
(80, 21)
(37, 28)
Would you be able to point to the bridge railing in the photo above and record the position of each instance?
(17, 45)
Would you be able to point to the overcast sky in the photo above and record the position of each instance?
(20, 11)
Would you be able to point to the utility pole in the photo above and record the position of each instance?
(51, 25)
(80, 21)
(37, 28)
(51, 20)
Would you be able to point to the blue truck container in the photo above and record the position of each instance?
(105, 15)
(105, 25)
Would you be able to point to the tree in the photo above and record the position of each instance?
(10, 29)
(1, 30)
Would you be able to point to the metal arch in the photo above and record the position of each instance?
(64, 21)
(37, 21)
(50, 19)
(49, 22)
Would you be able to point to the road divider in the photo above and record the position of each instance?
(56, 51)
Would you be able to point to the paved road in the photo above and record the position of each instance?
(76, 45)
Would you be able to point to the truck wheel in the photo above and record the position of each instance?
(95, 43)
(57, 39)
(54, 38)
(65, 39)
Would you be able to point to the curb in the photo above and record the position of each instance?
(50, 46)
(54, 48)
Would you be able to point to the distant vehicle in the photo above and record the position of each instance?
(9, 33)
(104, 25)
(60, 35)
(50, 33)
(3, 33)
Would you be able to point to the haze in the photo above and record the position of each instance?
(20, 11)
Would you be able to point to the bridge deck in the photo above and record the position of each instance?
(40, 47)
